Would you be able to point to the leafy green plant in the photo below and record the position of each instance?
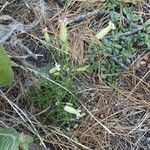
(123, 48)
(64, 36)
(144, 37)
(48, 94)
(6, 73)
(132, 1)
(113, 4)
(10, 139)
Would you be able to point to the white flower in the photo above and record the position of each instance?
(55, 69)
(74, 111)
(111, 25)
(105, 31)
(57, 66)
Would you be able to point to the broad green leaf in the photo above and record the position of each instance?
(47, 37)
(147, 23)
(10, 139)
(6, 73)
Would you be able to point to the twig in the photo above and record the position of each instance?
(140, 57)
(86, 15)
(17, 120)
(10, 30)
(6, 3)
(15, 26)
(18, 44)
(25, 57)
(63, 135)
(146, 116)
(128, 33)
(92, 13)
(139, 28)
(138, 141)
(46, 77)
(102, 12)
(117, 61)
(136, 86)
(55, 130)
(22, 115)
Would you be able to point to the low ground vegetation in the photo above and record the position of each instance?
(74, 74)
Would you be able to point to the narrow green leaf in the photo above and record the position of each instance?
(82, 69)
(63, 32)
(63, 35)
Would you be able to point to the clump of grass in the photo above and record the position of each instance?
(47, 94)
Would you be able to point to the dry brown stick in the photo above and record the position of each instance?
(95, 13)
(87, 15)
(18, 44)
(23, 116)
(101, 12)
(6, 3)
(117, 61)
(139, 28)
(128, 33)
(136, 86)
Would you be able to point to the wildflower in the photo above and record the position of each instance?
(105, 31)
(74, 111)
(55, 69)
